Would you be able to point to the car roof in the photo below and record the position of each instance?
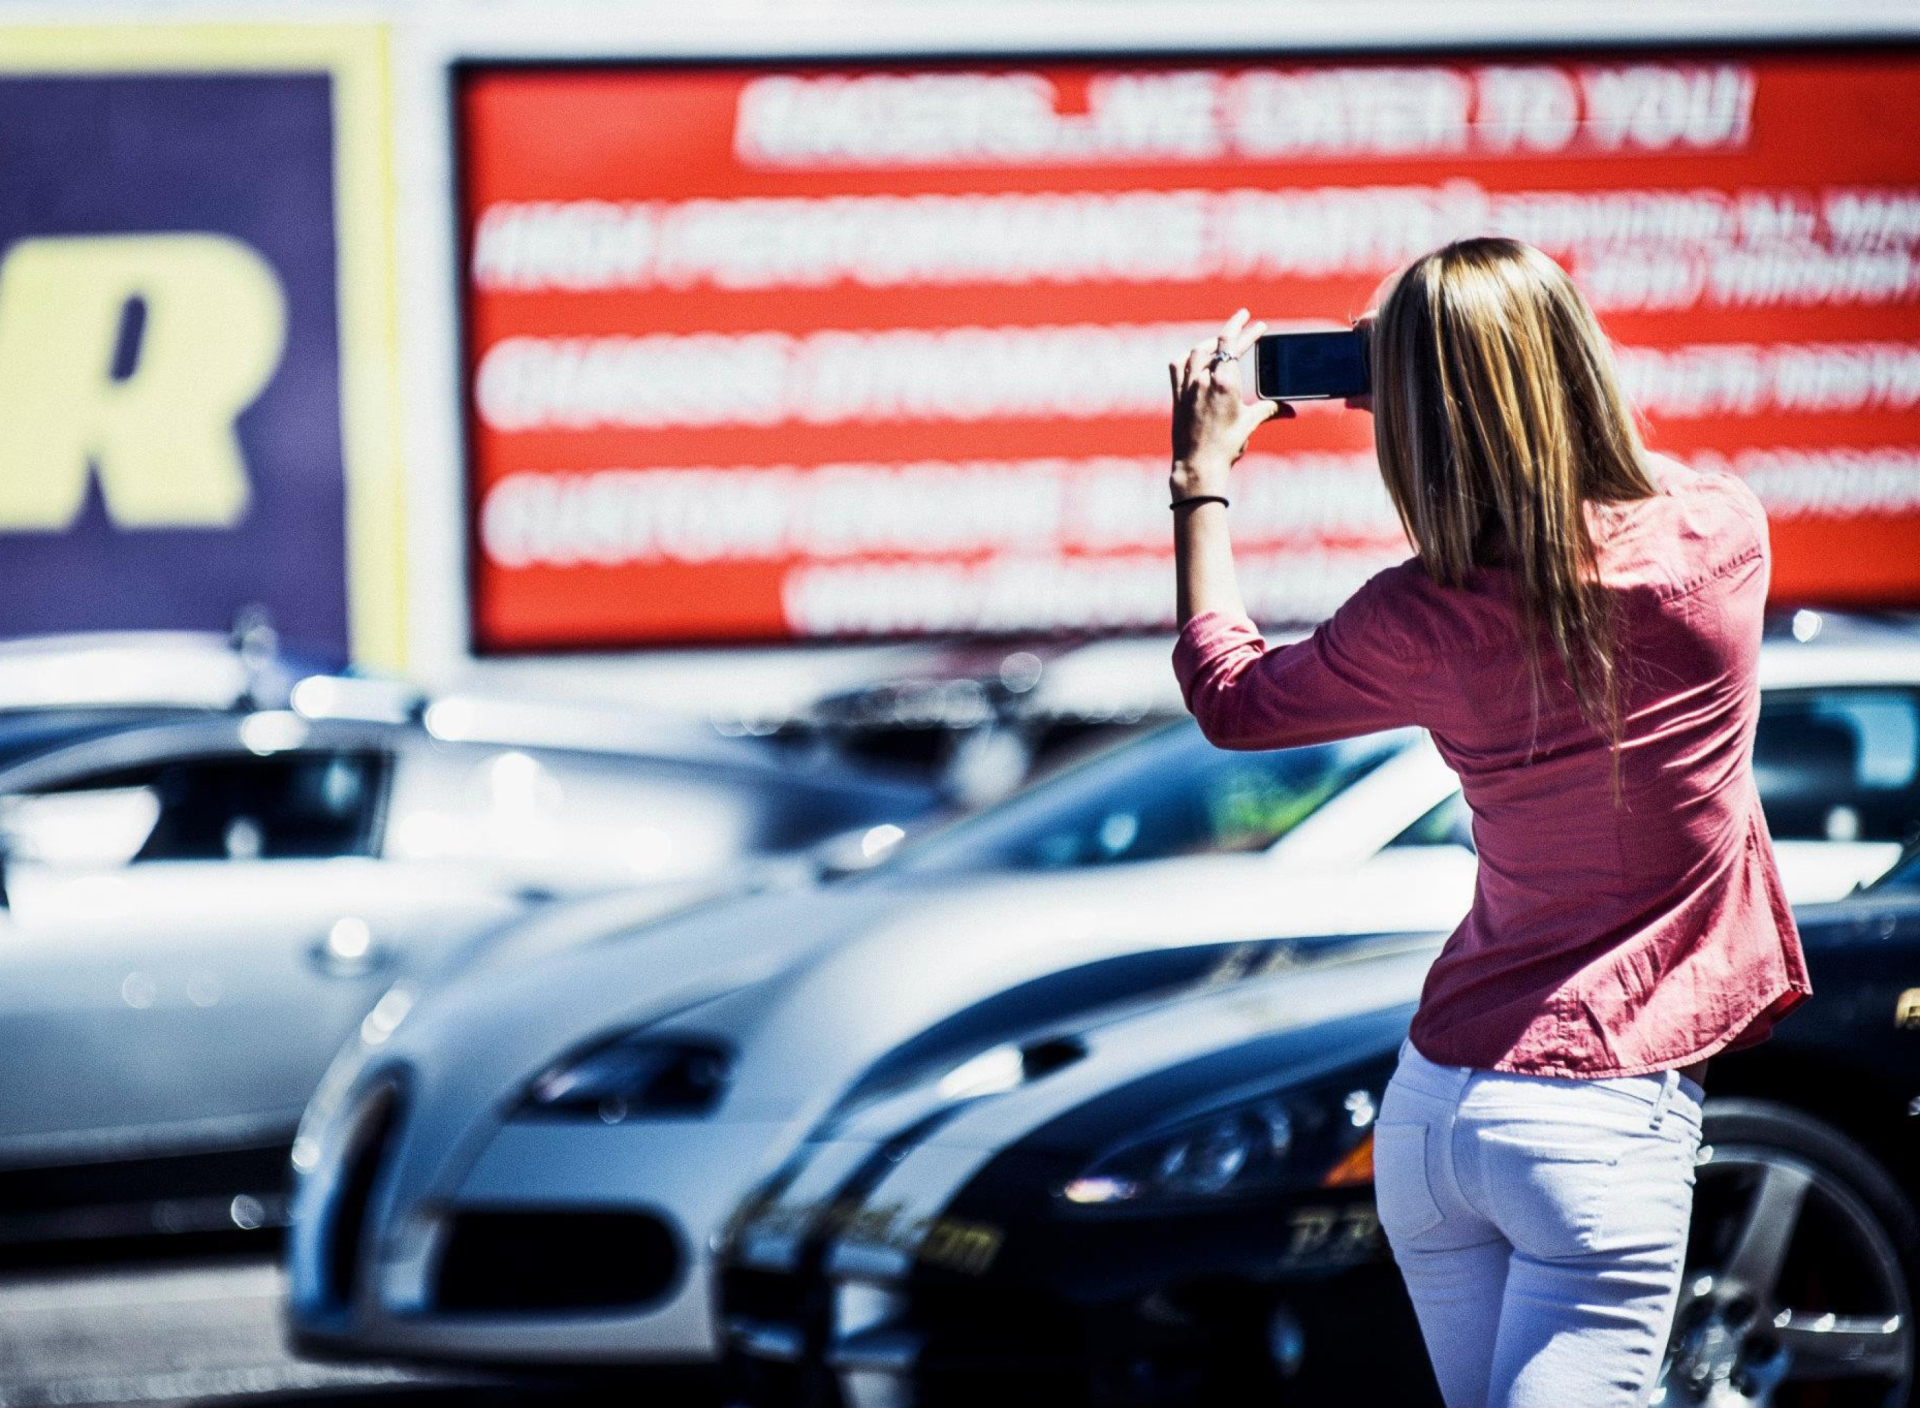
(262, 732)
(594, 728)
(137, 669)
(458, 721)
(519, 721)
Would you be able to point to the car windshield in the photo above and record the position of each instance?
(1170, 793)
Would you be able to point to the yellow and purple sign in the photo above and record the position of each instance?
(196, 351)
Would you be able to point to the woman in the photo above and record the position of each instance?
(1578, 630)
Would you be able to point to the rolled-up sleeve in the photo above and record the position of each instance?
(1355, 674)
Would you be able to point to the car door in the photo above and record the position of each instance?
(1863, 955)
(196, 920)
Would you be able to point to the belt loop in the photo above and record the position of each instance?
(1669, 1082)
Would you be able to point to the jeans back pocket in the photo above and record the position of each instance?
(1548, 1196)
(1403, 1194)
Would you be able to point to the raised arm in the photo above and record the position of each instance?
(1211, 425)
(1355, 674)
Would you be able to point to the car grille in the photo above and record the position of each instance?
(373, 1128)
(519, 1260)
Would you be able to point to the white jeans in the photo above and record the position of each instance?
(1540, 1223)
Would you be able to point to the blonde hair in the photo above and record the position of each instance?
(1497, 414)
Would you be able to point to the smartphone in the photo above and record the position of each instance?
(1311, 366)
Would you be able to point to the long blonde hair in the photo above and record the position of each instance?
(1497, 413)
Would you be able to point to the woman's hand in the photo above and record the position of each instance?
(1211, 420)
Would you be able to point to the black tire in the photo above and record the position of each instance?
(1799, 1288)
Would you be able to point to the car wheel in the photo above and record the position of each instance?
(1798, 1289)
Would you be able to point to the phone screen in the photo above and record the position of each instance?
(1311, 366)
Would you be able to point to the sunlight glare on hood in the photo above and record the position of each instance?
(989, 1073)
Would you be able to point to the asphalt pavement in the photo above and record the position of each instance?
(205, 1332)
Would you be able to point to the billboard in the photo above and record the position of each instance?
(822, 351)
(195, 332)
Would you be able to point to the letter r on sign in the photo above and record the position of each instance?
(131, 356)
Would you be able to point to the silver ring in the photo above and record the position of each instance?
(1222, 356)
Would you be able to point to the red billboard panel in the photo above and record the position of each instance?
(787, 353)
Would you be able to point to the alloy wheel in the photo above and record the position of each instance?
(1794, 1295)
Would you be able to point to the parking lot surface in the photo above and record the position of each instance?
(174, 1332)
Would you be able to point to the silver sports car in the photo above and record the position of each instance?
(196, 912)
(60, 688)
(533, 1166)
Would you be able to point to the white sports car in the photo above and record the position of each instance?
(197, 910)
(533, 1167)
(61, 688)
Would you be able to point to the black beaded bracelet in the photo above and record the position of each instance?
(1220, 499)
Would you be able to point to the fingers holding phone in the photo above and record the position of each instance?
(1212, 419)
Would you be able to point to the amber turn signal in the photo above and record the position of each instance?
(1355, 1166)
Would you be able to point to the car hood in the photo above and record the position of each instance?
(1137, 1072)
(938, 954)
(810, 986)
(469, 1046)
(563, 925)
(1167, 1062)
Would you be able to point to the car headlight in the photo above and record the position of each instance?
(1320, 1139)
(632, 1076)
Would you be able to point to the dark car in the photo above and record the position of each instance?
(1172, 1203)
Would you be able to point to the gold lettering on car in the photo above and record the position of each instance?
(1338, 1236)
(1359, 1228)
(960, 1246)
(1309, 1229)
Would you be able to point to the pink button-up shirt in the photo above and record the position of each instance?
(1601, 942)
